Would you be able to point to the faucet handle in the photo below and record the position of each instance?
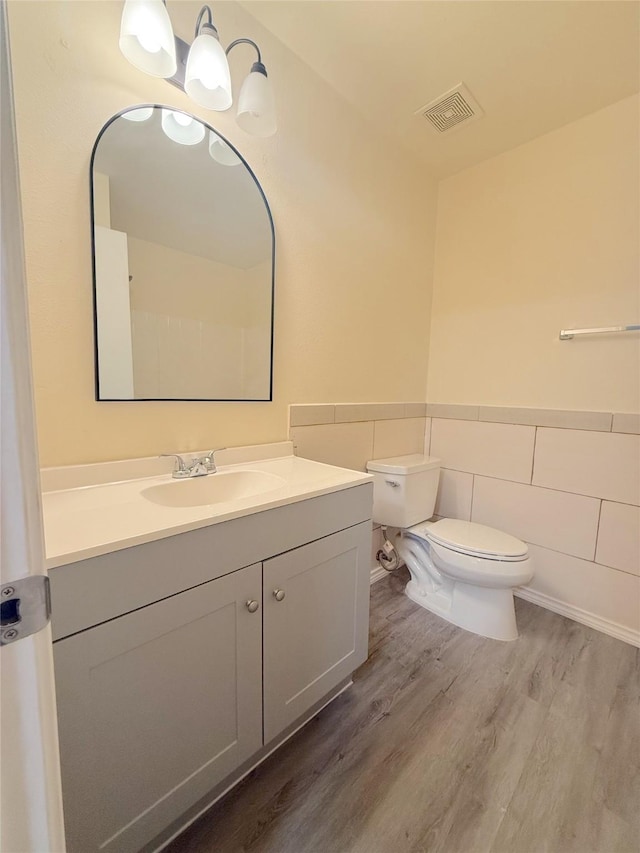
(209, 460)
(180, 469)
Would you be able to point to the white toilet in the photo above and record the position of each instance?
(462, 571)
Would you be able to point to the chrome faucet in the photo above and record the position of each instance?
(198, 467)
(181, 470)
(209, 460)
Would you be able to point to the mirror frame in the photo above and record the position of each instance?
(100, 399)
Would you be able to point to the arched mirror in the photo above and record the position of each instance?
(183, 263)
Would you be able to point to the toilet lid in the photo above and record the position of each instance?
(471, 538)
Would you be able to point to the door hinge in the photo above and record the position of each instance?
(25, 608)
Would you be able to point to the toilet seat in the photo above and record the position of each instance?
(474, 553)
(478, 570)
(471, 539)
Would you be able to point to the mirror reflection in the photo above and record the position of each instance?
(183, 263)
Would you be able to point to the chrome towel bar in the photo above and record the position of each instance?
(567, 334)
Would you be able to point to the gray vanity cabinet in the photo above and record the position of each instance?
(315, 622)
(157, 707)
(165, 702)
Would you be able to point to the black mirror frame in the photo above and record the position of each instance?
(97, 397)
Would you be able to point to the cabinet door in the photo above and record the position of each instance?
(155, 708)
(318, 633)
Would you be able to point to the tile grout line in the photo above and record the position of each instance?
(595, 546)
(473, 483)
(533, 455)
(536, 486)
(584, 559)
(609, 429)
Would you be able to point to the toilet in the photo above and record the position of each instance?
(461, 571)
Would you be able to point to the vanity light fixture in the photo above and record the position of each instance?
(207, 79)
(200, 69)
(256, 107)
(182, 128)
(221, 152)
(141, 114)
(146, 37)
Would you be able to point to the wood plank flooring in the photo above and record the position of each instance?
(450, 743)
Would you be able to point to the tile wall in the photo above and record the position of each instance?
(349, 435)
(567, 483)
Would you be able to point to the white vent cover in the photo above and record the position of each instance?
(454, 108)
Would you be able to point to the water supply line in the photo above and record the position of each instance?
(387, 556)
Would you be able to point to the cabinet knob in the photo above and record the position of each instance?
(252, 605)
(278, 594)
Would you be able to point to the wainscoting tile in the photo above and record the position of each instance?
(427, 437)
(626, 422)
(415, 410)
(398, 437)
(454, 495)
(619, 537)
(547, 417)
(344, 445)
(350, 412)
(601, 464)
(557, 520)
(452, 410)
(305, 415)
(495, 450)
(596, 589)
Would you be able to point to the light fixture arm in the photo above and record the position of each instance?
(206, 10)
(257, 66)
(244, 41)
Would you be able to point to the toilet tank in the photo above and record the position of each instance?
(404, 489)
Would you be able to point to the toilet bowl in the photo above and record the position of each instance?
(462, 571)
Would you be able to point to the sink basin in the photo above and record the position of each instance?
(213, 489)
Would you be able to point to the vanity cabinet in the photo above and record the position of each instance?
(157, 707)
(312, 631)
(164, 706)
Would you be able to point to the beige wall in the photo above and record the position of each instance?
(541, 238)
(354, 228)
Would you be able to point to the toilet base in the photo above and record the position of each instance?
(481, 610)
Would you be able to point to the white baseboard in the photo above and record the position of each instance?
(377, 573)
(613, 629)
(585, 617)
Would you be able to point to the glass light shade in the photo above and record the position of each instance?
(221, 152)
(141, 114)
(182, 128)
(146, 37)
(256, 106)
(207, 78)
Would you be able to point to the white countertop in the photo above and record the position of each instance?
(91, 520)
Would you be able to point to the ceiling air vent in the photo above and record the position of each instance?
(451, 110)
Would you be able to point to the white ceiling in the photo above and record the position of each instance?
(533, 66)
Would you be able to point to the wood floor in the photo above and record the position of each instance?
(452, 743)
